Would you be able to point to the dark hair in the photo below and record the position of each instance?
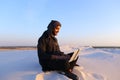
(56, 23)
(53, 24)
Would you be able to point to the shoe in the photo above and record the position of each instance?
(71, 75)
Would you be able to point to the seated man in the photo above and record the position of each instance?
(49, 54)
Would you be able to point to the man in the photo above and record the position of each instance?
(49, 54)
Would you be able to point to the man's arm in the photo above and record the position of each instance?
(41, 47)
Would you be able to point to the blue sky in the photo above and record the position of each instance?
(84, 22)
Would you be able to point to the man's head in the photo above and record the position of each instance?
(54, 27)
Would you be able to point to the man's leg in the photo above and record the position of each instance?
(59, 65)
(73, 63)
(63, 66)
(71, 75)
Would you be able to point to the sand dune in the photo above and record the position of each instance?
(95, 64)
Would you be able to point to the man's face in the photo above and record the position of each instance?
(56, 30)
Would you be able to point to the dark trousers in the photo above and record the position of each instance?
(60, 65)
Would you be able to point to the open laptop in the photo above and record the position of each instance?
(75, 55)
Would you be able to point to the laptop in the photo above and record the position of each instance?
(75, 55)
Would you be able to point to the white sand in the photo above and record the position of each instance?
(96, 64)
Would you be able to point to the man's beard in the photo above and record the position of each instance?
(54, 33)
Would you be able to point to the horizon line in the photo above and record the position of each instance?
(36, 46)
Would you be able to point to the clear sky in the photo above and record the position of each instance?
(84, 22)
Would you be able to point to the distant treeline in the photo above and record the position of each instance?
(16, 47)
(106, 46)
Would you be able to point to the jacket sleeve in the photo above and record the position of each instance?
(41, 48)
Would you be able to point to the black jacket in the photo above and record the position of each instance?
(47, 46)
